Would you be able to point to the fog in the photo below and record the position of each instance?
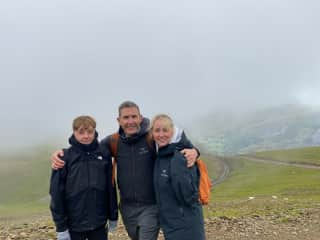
(60, 59)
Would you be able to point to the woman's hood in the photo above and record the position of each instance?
(177, 134)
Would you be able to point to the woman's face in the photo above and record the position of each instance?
(162, 132)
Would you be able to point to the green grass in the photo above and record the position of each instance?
(24, 181)
(263, 179)
(213, 164)
(24, 185)
(310, 155)
(24, 209)
(293, 187)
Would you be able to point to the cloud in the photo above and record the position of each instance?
(60, 59)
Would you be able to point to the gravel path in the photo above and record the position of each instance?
(260, 159)
(305, 226)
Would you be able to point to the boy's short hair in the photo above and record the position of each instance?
(84, 122)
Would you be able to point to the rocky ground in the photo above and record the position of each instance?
(305, 225)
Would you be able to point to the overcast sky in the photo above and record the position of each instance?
(63, 58)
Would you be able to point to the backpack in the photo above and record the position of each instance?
(205, 183)
(114, 139)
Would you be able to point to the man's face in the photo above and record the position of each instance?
(84, 136)
(130, 120)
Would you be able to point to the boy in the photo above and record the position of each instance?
(82, 194)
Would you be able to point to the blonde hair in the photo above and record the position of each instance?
(167, 120)
(84, 122)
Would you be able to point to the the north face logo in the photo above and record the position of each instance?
(164, 173)
(143, 150)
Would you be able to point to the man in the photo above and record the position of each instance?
(135, 163)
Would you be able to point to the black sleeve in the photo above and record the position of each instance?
(184, 180)
(111, 187)
(105, 145)
(112, 195)
(57, 192)
(186, 143)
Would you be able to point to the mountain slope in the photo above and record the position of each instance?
(24, 181)
(275, 128)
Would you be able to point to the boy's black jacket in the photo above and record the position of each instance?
(82, 195)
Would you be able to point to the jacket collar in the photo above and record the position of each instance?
(144, 127)
(84, 147)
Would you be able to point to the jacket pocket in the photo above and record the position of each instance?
(77, 179)
(76, 208)
(98, 174)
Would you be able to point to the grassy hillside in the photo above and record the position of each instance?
(265, 180)
(310, 155)
(213, 163)
(24, 181)
(263, 188)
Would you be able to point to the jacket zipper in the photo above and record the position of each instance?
(133, 174)
(89, 215)
(157, 175)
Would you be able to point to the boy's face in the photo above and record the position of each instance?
(130, 120)
(84, 136)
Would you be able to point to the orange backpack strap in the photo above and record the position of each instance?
(114, 139)
(205, 183)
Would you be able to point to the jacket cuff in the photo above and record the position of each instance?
(61, 227)
(113, 215)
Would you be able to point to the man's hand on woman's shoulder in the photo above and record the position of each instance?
(191, 155)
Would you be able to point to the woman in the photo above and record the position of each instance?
(176, 185)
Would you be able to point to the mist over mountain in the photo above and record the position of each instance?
(282, 127)
(60, 59)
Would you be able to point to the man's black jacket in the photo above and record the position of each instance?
(135, 165)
